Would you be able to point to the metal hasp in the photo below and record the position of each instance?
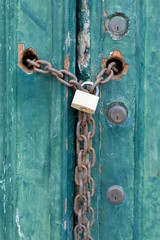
(118, 25)
(117, 113)
(116, 194)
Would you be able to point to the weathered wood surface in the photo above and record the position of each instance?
(37, 123)
(127, 155)
(36, 133)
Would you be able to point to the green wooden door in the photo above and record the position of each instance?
(36, 167)
(37, 124)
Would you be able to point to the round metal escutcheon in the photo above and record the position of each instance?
(116, 194)
(118, 25)
(117, 113)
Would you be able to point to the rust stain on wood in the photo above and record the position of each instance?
(116, 55)
(100, 168)
(23, 53)
(66, 62)
(100, 142)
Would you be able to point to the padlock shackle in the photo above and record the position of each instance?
(91, 84)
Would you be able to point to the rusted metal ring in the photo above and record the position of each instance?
(88, 199)
(92, 186)
(85, 144)
(80, 218)
(89, 170)
(32, 63)
(80, 157)
(81, 188)
(76, 232)
(91, 120)
(42, 62)
(54, 72)
(68, 74)
(108, 78)
(77, 202)
(82, 170)
(91, 211)
(112, 66)
(93, 161)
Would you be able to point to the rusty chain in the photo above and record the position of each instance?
(86, 159)
(45, 67)
(86, 156)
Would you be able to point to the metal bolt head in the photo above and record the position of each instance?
(118, 25)
(115, 194)
(117, 113)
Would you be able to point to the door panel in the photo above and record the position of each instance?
(37, 204)
(128, 154)
(114, 145)
(151, 124)
(117, 148)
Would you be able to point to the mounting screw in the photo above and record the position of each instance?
(117, 113)
(118, 25)
(116, 194)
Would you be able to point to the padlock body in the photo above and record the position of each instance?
(85, 102)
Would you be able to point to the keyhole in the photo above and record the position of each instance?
(115, 198)
(117, 117)
(117, 28)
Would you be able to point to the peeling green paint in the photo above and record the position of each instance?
(83, 43)
(37, 125)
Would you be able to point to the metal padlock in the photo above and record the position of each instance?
(84, 101)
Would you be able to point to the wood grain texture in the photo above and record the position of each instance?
(2, 125)
(37, 124)
(151, 124)
(128, 154)
(37, 154)
(115, 145)
(117, 153)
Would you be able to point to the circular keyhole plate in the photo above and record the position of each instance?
(118, 25)
(117, 113)
(116, 194)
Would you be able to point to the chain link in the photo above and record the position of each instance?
(86, 160)
(68, 78)
(86, 156)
